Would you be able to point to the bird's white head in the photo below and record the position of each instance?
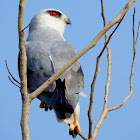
(51, 18)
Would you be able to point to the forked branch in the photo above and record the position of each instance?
(104, 113)
(132, 66)
(106, 109)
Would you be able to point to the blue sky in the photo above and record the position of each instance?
(86, 23)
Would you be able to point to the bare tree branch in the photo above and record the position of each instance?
(108, 58)
(22, 50)
(95, 76)
(106, 109)
(97, 127)
(88, 47)
(138, 32)
(26, 102)
(132, 68)
(11, 74)
(81, 135)
(91, 98)
(134, 42)
(104, 113)
(23, 74)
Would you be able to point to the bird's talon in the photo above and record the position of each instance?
(71, 132)
(74, 135)
(46, 107)
(73, 126)
(41, 105)
(50, 108)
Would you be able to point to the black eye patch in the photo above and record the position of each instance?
(55, 14)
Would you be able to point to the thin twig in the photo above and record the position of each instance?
(91, 98)
(105, 110)
(10, 73)
(137, 31)
(97, 127)
(110, 37)
(13, 82)
(81, 135)
(94, 79)
(25, 28)
(109, 61)
(102, 13)
(134, 41)
(131, 74)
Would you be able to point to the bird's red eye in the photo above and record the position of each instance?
(53, 14)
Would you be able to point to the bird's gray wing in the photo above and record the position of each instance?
(39, 70)
(39, 66)
(62, 52)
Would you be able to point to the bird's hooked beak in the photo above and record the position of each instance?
(67, 20)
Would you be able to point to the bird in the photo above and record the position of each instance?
(47, 52)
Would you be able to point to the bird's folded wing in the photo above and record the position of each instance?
(62, 52)
(39, 67)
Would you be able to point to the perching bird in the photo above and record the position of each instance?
(47, 52)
